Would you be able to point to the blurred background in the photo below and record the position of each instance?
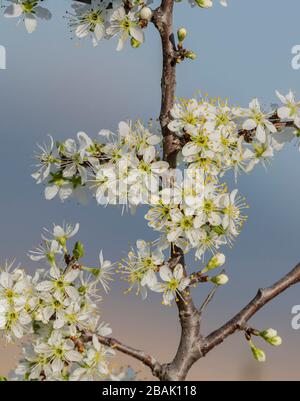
(54, 85)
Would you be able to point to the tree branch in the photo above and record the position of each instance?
(141, 356)
(208, 300)
(163, 21)
(239, 321)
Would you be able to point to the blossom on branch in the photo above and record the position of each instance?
(56, 307)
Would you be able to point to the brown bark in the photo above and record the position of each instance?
(163, 20)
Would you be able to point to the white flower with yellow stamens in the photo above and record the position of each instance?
(174, 283)
(258, 121)
(90, 19)
(125, 25)
(28, 11)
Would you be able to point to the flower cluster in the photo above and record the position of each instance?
(99, 19)
(121, 169)
(141, 270)
(217, 137)
(58, 308)
(199, 214)
(192, 209)
(106, 19)
(146, 269)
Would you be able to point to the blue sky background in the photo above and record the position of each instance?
(53, 85)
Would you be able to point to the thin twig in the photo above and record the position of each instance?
(146, 359)
(208, 300)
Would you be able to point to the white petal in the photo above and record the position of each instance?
(124, 129)
(71, 276)
(65, 192)
(190, 149)
(249, 125)
(168, 297)
(122, 41)
(261, 134)
(30, 23)
(82, 30)
(159, 167)
(13, 11)
(281, 97)
(57, 365)
(73, 356)
(153, 140)
(137, 34)
(284, 113)
(149, 154)
(51, 191)
(99, 31)
(17, 330)
(42, 12)
(165, 273)
(44, 286)
(6, 280)
(178, 272)
(72, 293)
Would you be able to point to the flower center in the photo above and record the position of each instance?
(190, 119)
(28, 6)
(201, 140)
(58, 352)
(232, 211)
(186, 223)
(173, 284)
(209, 206)
(126, 24)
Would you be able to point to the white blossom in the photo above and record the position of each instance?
(174, 283)
(28, 11)
(125, 25)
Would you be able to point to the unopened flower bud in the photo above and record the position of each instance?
(258, 354)
(216, 261)
(146, 13)
(271, 336)
(191, 55)
(78, 251)
(275, 341)
(181, 34)
(204, 3)
(135, 43)
(221, 279)
(269, 333)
